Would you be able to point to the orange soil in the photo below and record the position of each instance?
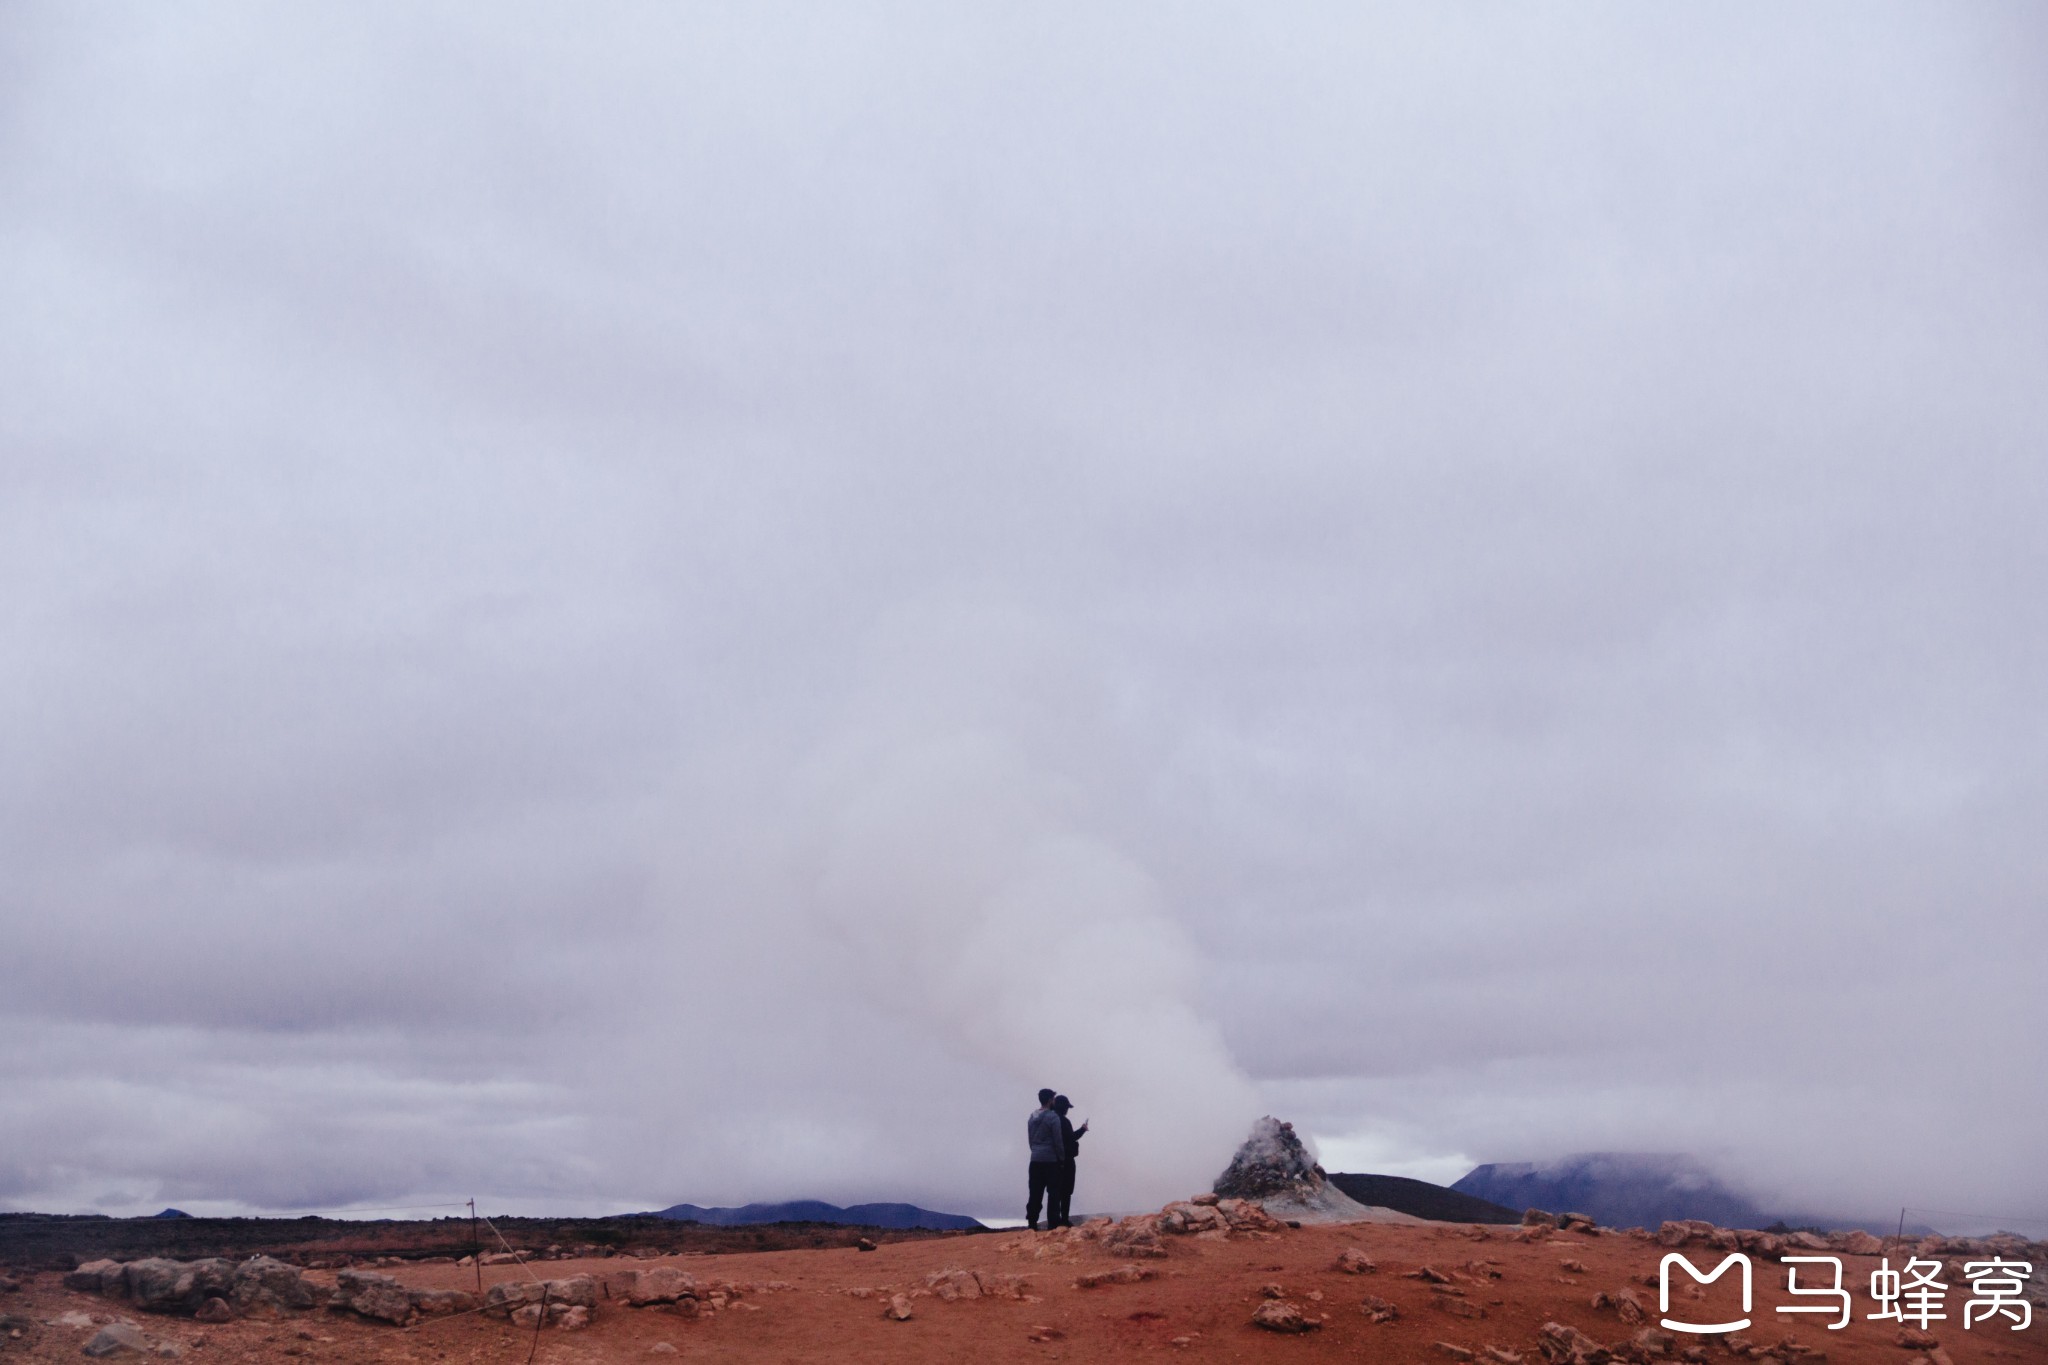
(1204, 1291)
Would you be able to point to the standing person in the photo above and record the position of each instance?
(1059, 1210)
(1048, 1150)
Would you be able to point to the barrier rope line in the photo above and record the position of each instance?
(519, 1260)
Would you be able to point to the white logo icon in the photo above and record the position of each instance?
(1664, 1291)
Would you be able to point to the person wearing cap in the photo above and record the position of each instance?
(1058, 1211)
(1048, 1151)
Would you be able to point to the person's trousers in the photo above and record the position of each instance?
(1044, 1178)
(1060, 1197)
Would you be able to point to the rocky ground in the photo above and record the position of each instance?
(1212, 1280)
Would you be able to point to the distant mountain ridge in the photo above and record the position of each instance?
(1620, 1189)
(817, 1211)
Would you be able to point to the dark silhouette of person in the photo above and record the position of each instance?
(1059, 1205)
(1048, 1151)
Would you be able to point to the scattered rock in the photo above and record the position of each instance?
(1561, 1344)
(864, 1244)
(1575, 1267)
(1453, 1351)
(1911, 1337)
(1655, 1341)
(1123, 1274)
(657, 1284)
(97, 1277)
(1277, 1315)
(1352, 1261)
(567, 1316)
(1429, 1273)
(162, 1286)
(663, 1348)
(953, 1283)
(898, 1309)
(1379, 1310)
(1042, 1333)
(1459, 1308)
(1133, 1241)
(1676, 1232)
(1000, 1286)
(1501, 1355)
(115, 1339)
(1577, 1222)
(437, 1303)
(268, 1282)
(213, 1311)
(370, 1295)
(1537, 1218)
(1861, 1243)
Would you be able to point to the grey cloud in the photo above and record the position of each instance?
(569, 586)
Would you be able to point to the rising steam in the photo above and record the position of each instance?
(956, 857)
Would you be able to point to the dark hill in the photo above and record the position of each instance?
(816, 1211)
(1420, 1199)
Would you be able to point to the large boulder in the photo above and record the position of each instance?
(654, 1285)
(442, 1302)
(371, 1295)
(163, 1286)
(264, 1281)
(98, 1277)
(578, 1291)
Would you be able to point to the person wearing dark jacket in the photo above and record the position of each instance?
(1048, 1151)
(1058, 1212)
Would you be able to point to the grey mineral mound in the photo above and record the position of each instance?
(1274, 1168)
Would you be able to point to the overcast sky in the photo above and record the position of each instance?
(605, 607)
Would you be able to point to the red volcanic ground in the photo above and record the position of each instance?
(1433, 1292)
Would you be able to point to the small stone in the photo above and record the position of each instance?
(214, 1310)
(1501, 1355)
(115, 1338)
(1379, 1310)
(1277, 1315)
(1655, 1341)
(1454, 1352)
(898, 1309)
(663, 1348)
(1575, 1267)
(1352, 1261)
